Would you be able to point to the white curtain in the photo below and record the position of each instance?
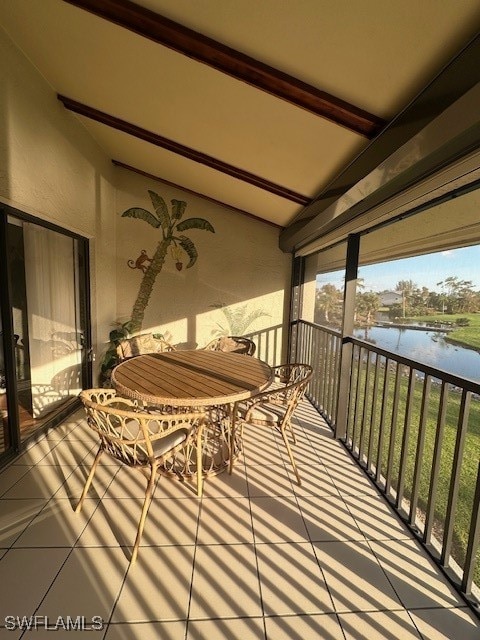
(54, 342)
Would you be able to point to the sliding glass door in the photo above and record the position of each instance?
(46, 296)
(4, 430)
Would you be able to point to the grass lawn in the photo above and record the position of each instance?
(393, 444)
(466, 336)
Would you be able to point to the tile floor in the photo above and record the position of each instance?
(257, 558)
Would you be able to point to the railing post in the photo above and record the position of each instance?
(473, 540)
(351, 274)
(462, 426)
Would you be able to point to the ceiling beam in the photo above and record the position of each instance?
(182, 150)
(203, 49)
(128, 167)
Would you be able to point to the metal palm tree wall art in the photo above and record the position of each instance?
(172, 227)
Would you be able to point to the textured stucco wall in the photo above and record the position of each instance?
(240, 266)
(51, 168)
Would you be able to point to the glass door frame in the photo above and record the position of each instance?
(83, 281)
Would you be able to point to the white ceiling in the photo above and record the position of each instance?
(375, 54)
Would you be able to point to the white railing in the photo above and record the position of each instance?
(269, 344)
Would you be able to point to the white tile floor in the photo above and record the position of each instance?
(257, 558)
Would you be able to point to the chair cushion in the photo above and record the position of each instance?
(138, 345)
(224, 343)
(160, 345)
(227, 344)
(163, 446)
(266, 414)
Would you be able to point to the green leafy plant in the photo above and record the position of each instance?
(172, 227)
(110, 357)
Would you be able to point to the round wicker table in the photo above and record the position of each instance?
(212, 381)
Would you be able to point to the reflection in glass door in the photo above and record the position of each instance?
(47, 301)
(4, 430)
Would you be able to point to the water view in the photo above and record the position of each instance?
(429, 347)
(446, 297)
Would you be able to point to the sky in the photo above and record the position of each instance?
(425, 271)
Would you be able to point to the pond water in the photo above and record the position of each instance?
(428, 347)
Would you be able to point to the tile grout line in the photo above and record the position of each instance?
(317, 560)
(68, 554)
(256, 557)
(190, 592)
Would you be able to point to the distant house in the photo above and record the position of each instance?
(388, 298)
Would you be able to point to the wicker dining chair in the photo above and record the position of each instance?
(140, 440)
(232, 344)
(142, 344)
(275, 407)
